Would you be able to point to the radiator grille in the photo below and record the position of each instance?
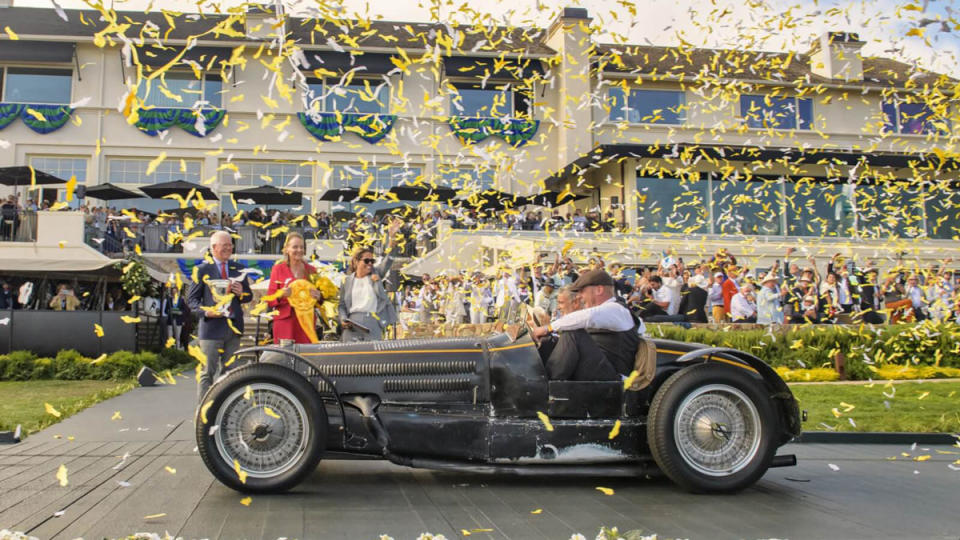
(427, 385)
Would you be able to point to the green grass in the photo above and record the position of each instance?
(913, 407)
(23, 401)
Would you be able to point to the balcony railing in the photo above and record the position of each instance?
(160, 238)
(18, 225)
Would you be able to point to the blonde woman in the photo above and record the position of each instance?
(289, 269)
(365, 309)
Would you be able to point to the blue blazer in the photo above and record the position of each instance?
(200, 295)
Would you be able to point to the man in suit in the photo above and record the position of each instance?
(219, 332)
(365, 309)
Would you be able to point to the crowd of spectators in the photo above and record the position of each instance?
(714, 290)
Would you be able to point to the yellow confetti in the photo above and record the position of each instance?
(50, 410)
(204, 409)
(246, 501)
(62, 476)
(116, 416)
(170, 342)
(248, 393)
(129, 320)
(546, 420)
(537, 511)
(241, 474)
(605, 490)
(11, 33)
(98, 330)
(154, 163)
(923, 395)
(170, 469)
(71, 187)
(270, 412)
(922, 458)
(99, 359)
(155, 516)
(615, 431)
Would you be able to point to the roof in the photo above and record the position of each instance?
(689, 63)
(306, 31)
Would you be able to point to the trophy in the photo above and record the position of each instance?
(220, 288)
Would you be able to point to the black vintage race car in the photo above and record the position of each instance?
(710, 418)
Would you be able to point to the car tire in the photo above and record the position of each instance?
(711, 428)
(261, 429)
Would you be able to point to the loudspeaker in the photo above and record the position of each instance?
(148, 377)
(80, 191)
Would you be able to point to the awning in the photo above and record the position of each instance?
(509, 68)
(342, 62)
(36, 51)
(205, 56)
(30, 258)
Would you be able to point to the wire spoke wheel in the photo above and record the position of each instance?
(263, 428)
(717, 430)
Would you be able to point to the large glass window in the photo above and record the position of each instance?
(36, 85)
(942, 204)
(889, 210)
(490, 100)
(768, 112)
(909, 119)
(279, 175)
(181, 89)
(360, 96)
(375, 178)
(63, 168)
(747, 207)
(134, 171)
(672, 205)
(817, 208)
(647, 106)
(469, 180)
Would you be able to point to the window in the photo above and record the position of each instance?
(647, 106)
(279, 175)
(134, 171)
(63, 168)
(375, 178)
(910, 119)
(751, 207)
(360, 96)
(672, 205)
(768, 112)
(490, 101)
(819, 208)
(205, 92)
(36, 85)
(468, 179)
(889, 210)
(943, 212)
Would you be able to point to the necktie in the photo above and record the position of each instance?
(223, 270)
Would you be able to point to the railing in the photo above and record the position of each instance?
(18, 225)
(163, 238)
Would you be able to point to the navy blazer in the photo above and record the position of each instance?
(200, 295)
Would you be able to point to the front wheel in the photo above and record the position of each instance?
(711, 428)
(261, 429)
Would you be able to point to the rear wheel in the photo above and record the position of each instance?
(711, 428)
(265, 429)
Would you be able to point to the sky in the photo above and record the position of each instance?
(772, 25)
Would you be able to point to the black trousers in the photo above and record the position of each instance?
(574, 356)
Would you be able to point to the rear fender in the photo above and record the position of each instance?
(779, 391)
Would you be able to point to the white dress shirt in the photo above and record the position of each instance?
(741, 308)
(363, 298)
(610, 315)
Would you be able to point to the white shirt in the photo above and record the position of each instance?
(673, 285)
(610, 315)
(741, 308)
(663, 294)
(362, 296)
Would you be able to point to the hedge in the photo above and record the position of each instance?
(71, 365)
(867, 350)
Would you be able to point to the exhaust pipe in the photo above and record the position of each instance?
(788, 460)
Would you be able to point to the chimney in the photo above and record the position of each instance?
(836, 55)
(259, 21)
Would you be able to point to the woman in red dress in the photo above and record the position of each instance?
(291, 268)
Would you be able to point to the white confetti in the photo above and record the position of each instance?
(833, 467)
(123, 484)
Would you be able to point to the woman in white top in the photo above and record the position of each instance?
(365, 309)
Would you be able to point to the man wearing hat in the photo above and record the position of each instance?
(769, 310)
(596, 343)
(798, 297)
(731, 286)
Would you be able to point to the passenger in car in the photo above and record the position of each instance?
(595, 343)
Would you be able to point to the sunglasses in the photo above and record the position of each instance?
(368, 261)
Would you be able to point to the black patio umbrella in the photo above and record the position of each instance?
(110, 192)
(423, 193)
(267, 195)
(491, 199)
(21, 176)
(401, 210)
(348, 195)
(177, 187)
(549, 198)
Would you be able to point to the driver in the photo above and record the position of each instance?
(596, 343)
